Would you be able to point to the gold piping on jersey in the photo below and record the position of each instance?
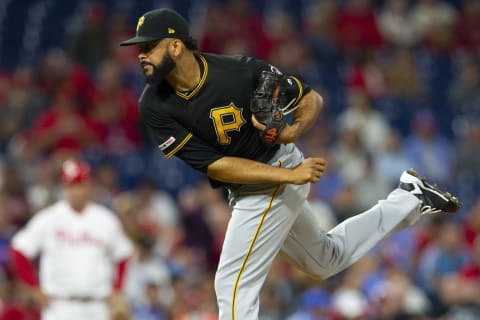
(199, 85)
(300, 88)
(252, 243)
(180, 145)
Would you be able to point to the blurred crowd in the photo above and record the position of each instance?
(401, 82)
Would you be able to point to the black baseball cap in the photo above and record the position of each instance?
(158, 24)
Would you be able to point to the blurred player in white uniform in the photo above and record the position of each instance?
(83, 252)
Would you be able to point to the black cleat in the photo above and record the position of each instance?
(433, 199)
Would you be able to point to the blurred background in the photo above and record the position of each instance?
(401, 82)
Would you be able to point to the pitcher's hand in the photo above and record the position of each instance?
(288, 134)
(310, 170)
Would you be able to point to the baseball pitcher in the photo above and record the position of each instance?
(225, 116)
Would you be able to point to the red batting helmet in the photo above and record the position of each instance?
(75, 171)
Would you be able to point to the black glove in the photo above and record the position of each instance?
(271, 103)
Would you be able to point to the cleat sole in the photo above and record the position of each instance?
(454, 204)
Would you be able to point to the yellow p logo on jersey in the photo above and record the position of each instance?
(225, 119)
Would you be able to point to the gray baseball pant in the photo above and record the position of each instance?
(267, 219)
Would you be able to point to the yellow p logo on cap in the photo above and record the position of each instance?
(171, 30)
(140, 22)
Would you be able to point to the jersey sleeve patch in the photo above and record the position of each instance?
(178, 147)
(167, 143)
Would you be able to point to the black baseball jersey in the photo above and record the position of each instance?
(212, 120)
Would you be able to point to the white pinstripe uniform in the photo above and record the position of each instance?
(78, 253)
(267, 219)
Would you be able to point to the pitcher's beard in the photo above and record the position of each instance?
(159, 72)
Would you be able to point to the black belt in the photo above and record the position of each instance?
(80, 299)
